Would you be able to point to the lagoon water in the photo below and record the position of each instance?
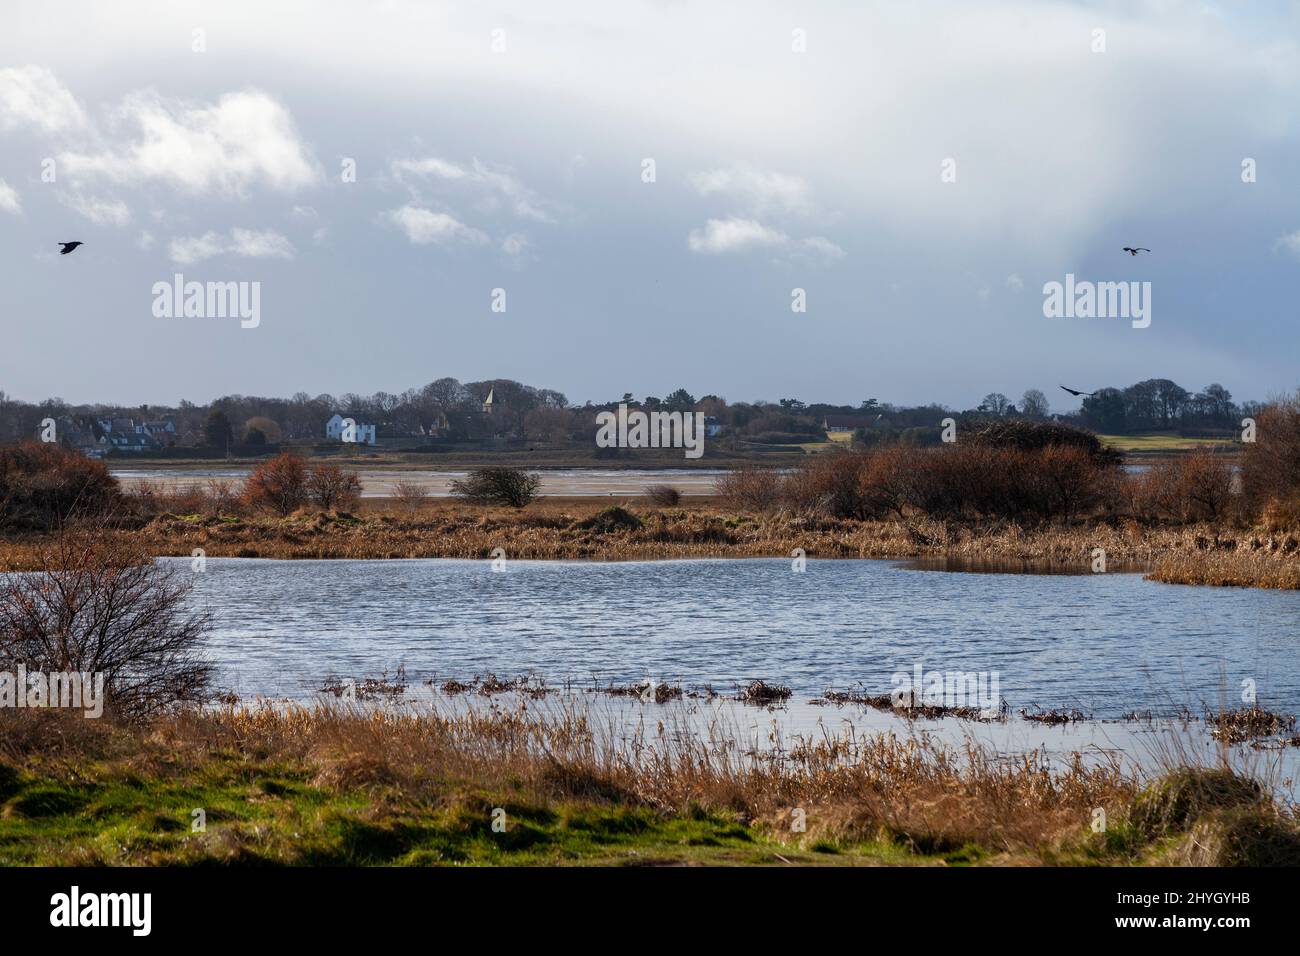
(1105, 644)
(379, 482)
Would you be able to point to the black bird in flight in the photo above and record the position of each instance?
(1132, 251)
(68, 247)
(1075, 392)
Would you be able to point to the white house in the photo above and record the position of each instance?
(361, 433)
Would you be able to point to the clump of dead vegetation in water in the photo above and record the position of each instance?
(644, 690)
(1053, 716)
(1248, 723)
(911, 705)
(368, 688)
(762, 693)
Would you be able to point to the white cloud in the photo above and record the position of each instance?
(32, 96)
(146, 240)
(721, 236)
(102, 212)
(9, 201)
(247, 243)
(498, 185)
(245, 139)
(515, 244)
(1015, 283)
(1290, 244)
(760, 191)
(734, 235)
(424, 226)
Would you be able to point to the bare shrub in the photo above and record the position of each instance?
(213, 497)
(43, 485)
(1194, 487)
(329, 487)
(99, 604)
(666, 496)
(278, 485)
(1027, 435)
(850, 484)
(1281, 516)
(1270, 465)
(751, 488)
(409, 494)
(1062, 481)
(497, 486)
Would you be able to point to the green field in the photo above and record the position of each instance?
(1162, 442)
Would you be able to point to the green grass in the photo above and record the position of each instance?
(277, 816)
(1160, 442)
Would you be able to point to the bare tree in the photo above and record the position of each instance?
(330, 487)
(100, 605)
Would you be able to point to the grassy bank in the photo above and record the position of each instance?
(578, 528)
(304, 787)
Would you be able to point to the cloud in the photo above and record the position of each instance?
(760, 191)
(734, 235)
(1015, 283)
(102, 212)
(245, 139)
(497, 186)
(247, 243)
(515, 244)
(721, 236)
(9, 201)
(1289, 244)
(32, 96)
(424, 227)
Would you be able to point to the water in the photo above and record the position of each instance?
(378, 482)
(1105, 644)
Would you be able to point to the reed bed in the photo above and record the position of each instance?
(1199, 553)
(437, 776)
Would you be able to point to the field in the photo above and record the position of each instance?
(505, 786)
(1161, 443)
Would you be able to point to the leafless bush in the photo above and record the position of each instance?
(751, 488)
(213, 497)
(329, 487)
(100, 604)
(666, 496)
(409, 494)
(497, 486)
(278, 485)
(1194, 487)
(1270, 465)
(43, 485)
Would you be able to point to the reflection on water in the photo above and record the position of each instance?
(1103, 643)
(1009, 566)
(378, 482)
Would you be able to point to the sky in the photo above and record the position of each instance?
(919, 169)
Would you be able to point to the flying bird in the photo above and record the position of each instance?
(1132, 251)
(68, 247)
(1076, 393)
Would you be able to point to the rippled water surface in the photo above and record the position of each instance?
(1105, 643)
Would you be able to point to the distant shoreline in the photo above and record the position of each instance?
(630, 527)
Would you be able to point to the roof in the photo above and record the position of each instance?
(851, 421)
